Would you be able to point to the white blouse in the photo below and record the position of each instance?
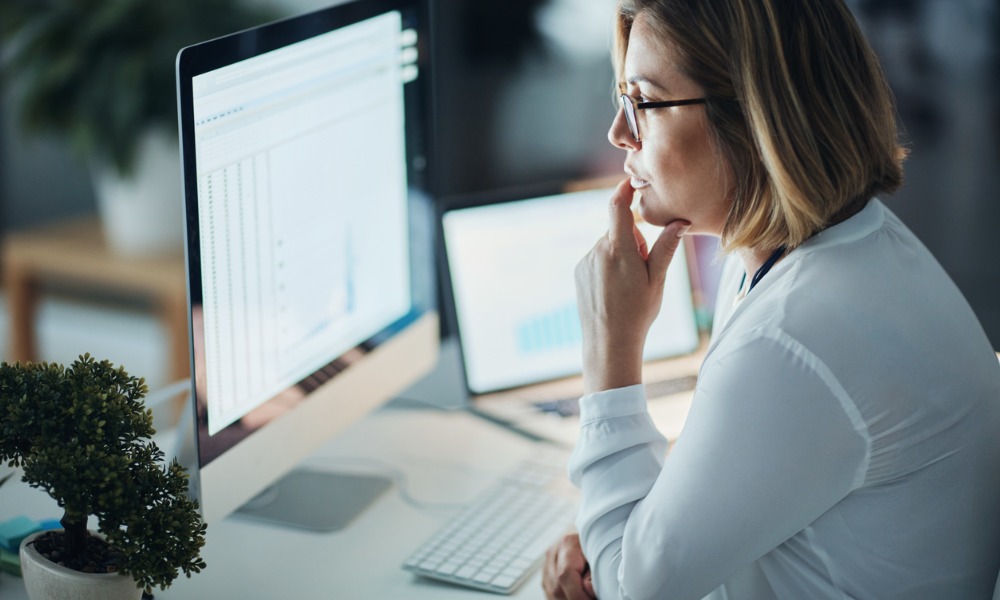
(843, 441)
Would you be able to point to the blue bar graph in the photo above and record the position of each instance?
(555, 330)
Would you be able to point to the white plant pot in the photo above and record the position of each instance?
(45, 580)
(143, 214)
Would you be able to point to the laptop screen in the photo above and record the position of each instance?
(511, 267)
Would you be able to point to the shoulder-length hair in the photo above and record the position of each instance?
(797, 103)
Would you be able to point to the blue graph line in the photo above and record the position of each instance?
(351, 263)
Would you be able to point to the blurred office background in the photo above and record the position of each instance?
(522, 91)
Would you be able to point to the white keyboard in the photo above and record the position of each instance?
(496, 542)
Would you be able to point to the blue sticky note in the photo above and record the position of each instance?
(15, 530)
(49, 525)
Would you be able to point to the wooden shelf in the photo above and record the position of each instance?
(75, 256)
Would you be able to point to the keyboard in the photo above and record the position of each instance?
(499, 540)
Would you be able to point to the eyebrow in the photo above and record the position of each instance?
(637, 79)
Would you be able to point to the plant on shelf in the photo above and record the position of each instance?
(100, 73)
(83, 435)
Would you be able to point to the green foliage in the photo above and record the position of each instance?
(101, 72)
(82, 434)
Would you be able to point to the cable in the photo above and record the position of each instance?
(398, 477)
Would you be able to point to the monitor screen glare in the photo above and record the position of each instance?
(297, 268)
(298, 153)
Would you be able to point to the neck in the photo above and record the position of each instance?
(754, 259)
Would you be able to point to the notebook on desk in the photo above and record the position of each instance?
(508, 272)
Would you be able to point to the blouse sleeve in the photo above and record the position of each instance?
(771, 443)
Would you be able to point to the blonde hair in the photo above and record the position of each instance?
(797, 104)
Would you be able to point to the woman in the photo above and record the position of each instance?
(844, 437)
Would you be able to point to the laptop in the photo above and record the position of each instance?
(508, 274)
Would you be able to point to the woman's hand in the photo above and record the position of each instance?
(619, 288)
(566, 575)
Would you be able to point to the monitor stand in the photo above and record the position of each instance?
(315, 500)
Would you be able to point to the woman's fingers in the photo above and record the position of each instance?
(565, 570)
(622, 223)
(664, 249)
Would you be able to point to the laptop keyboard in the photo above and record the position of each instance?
(570, 407)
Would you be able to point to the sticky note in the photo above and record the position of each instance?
(15, 530)
(49, 525)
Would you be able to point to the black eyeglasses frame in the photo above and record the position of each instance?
(630, 106)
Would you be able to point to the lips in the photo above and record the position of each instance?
(636, 181)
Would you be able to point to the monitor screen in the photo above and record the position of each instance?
(531, 246)
(302, 166)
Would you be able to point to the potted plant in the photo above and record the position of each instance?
(101, 76)
(83, 435)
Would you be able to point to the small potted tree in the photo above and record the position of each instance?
(82, 434)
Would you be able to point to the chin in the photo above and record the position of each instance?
(642, 208)
(647, 213)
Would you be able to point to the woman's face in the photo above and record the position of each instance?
(676, 168)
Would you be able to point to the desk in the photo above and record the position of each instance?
(447, 456)
(74, 254)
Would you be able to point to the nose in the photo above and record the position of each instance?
(619, 134)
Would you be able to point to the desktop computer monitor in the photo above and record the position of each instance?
(303, 163)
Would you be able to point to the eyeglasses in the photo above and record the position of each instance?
(629, 105)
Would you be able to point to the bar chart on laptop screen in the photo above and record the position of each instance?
(512, 270)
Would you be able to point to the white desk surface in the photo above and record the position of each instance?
(448, 457)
